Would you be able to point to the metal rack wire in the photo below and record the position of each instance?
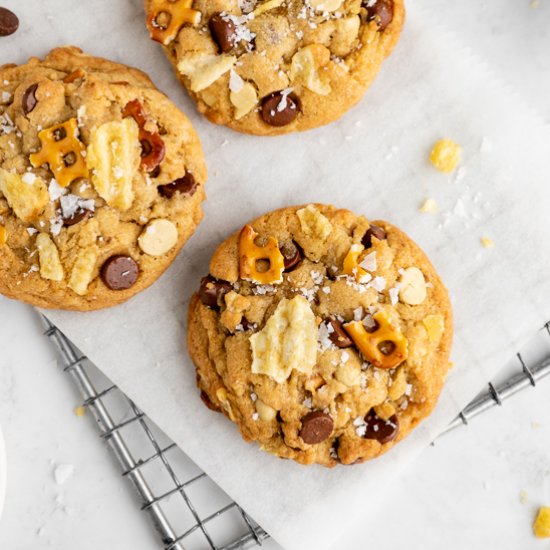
(188, 510)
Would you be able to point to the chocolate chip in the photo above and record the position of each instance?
(373, 231)
(29, 100)
(292, 255)
(79, 216)
(382, 430)
(316, 427)
(206, 400)
(119, 272)
(381, 12)
(184, 185)
(338, 336)
(212, 291)
(9, 22)
(223, 32)
(279, 109)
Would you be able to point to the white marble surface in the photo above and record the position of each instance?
(464, 491)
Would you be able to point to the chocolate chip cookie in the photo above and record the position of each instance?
(271, 67)
(101, 181)
(323, 336)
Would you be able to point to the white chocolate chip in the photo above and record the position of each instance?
(158, 237)
(267, 413)
(412, 289)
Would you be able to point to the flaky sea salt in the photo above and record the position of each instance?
(29, 178)
(323, 336)
(55, 190)
(236, 83)
(284, 103)
(316, 277)
(394, 294)
(55, 226)
(360, 426)
(379, 284)
(263, 289)
(369, 262)
(62, 473)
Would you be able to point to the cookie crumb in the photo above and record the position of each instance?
(62, 473)
(523, 496)
(429, 206)
(445, 155)
(541, 526)
(487, 242)
(80, 411)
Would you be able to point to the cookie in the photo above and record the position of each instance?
(323, 336)
(270, 67)
(101, 181)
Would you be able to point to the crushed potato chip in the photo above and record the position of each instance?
(288, 341)
(27, 195)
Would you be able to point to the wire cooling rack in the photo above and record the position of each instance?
(189, 511)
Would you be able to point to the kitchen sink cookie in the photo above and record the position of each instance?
(323, 336)
(101, 181)
(270, 67)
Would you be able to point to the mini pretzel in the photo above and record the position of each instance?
(62, 151)
(351, 265)
(384, 337)
(167, 17)
(250, 253)
(75, 75)
(152, 146)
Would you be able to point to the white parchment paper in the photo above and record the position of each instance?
(373, 161)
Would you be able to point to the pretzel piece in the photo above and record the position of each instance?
(166, 18)
(351, 265)
(153, 149)
(62, 151)
(385, 347)
(250, 253)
